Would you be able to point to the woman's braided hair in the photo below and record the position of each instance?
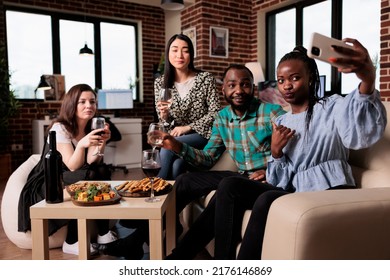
(300, 53)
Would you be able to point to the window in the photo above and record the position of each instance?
(118, 60)
(285, 34)
(359, 19)
(362, 22)
(45, 42)
(29, 53)
(313, 14)
(77, 69)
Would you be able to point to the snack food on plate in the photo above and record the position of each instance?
(82, 186)
(92, 191)
(134, 186)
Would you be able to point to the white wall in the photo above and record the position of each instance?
(172, 24)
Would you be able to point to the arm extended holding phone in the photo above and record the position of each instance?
(348, 55)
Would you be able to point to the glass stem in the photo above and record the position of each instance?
(151, 188)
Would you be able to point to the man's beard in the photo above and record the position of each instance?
(244, 106)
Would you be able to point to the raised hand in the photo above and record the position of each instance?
(358, 61)
(280, 137)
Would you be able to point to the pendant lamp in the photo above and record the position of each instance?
(85, 50)
(172, 5)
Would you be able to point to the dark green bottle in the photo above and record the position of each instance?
(53, 172)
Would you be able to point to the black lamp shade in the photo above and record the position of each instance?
(172, 5)
(85, 50)
(43, 84)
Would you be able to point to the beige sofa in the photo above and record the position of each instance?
(339, 224)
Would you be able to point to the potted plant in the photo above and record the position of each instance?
(9, 106)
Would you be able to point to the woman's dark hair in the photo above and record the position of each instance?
(300, 53)
(169, 70)
(67, 115)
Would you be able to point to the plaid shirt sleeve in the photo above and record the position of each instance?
(247, 138)
(211, 152)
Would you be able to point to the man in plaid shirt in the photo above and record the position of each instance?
(243, 129)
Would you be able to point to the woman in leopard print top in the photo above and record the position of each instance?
(195, 102)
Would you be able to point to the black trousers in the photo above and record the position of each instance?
(222, 217)
(193, 185)
(233, 198)
(189, 187)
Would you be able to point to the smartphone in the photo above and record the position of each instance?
(320, 47)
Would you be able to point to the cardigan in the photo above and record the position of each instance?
(197, 109)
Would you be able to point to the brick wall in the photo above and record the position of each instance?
(385, 50)
(233, 15)
(153, 44)
(240, 17)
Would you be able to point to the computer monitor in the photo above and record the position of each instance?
(115, 99)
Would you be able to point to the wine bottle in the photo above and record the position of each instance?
(53, 172)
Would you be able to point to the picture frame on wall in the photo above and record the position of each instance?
(219, 42)
(191, 33)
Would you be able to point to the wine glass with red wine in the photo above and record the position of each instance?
(98, 122)
(151, 165)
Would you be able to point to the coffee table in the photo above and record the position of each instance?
(127, 208)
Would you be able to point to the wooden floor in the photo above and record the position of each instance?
(10, 251)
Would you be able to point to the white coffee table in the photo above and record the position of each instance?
(127, 208)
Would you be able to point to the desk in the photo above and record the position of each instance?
(127, 208)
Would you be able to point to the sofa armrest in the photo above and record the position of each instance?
(337, 224)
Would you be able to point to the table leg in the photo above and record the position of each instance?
(170, 224)
(83, 236)
(155, 239)
(40, 239)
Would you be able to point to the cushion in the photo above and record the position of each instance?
(370, 166)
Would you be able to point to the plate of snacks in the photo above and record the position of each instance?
(93, 194)
(141, 188)
(82, 186)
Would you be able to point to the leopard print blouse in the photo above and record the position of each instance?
(197, 109)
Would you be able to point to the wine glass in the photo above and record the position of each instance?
(165, 95)
(151, 165)
(154, 139)
(98, 122)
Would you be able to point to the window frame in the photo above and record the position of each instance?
(56, 16)
(336, 32)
